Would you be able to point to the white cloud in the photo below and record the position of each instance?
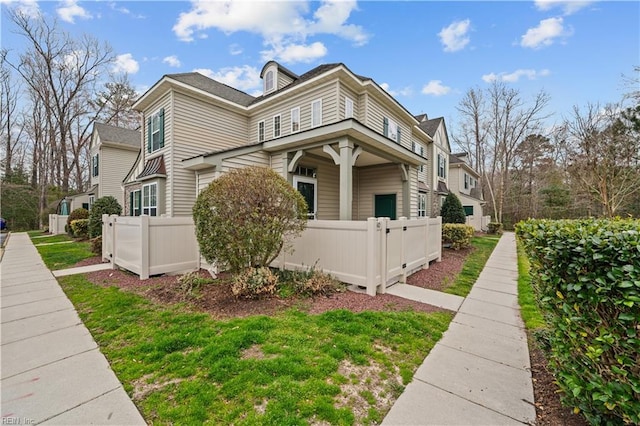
(125, 63)
(455, 36)
(243, 78)
(568, 6)
(544, 34)
(281, 23)
(513, 77)
(71, 10)
(435, 88)
(28, 7)
(235, 49)
(293, 53)
(172, 61)
(406, 91)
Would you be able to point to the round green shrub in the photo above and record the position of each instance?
(246, 217)
(77, 214)
(452, 210)
(80, 228)
(105, 205)
(457, 235)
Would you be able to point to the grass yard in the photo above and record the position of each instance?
(292, 368)
(531, 315)
(483, 247)
(60, 256)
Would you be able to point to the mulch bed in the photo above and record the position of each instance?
(218, 301)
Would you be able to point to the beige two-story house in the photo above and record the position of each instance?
(464, 182)
(349, 147)
(437, 171)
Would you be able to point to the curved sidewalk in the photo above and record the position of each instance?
(479, 372)
(52, 370)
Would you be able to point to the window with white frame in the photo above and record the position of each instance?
(348, 108)
(442, 166)
(391, 129)
(466, 181)
(276, 126)
(95, 160)
(92, 199)
(155, 135)
(418, 149)
(316, 113)
(261, 131)
(295, 119)
(135, 201)
(150, 199)
(422, 204)
(268, 82)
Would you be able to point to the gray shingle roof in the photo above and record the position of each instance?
(109, 133)
(430, 126)
(214, 87)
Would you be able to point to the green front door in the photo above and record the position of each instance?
(385, 206)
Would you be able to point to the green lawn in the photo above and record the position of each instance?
(44, 239)
(293, 368)
(62, 256)
(531, 315)
(473, 265)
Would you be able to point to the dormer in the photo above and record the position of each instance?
(274, 77)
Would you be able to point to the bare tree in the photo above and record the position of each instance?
(115, 101)
(495, 123)
(60, 71)
(605, 154)
(11, 125)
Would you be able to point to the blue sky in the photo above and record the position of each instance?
(425, 53)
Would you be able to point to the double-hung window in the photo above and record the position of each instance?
(261, 131)
(150, 199)
(135, 203)
(155, 132)
(442, 166)
(295, 119)
(276, 126)
(419, 149)
(316, 113)
(92, 199)
(348, 108)
(95, 160)
(466, 181)
(391, 129)
(422, 204)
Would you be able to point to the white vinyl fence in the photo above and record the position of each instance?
(57, 222)
(150, 245)
(479, 223)
(371, 254)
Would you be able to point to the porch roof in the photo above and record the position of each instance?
(362, 135)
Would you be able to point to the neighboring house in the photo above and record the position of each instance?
(113, 151)
(437, 171)
(464, 182)
(351, 149)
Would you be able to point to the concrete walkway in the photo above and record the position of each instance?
(52, 370)
(479, 372)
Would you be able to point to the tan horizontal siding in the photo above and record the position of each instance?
(377, 180)
(326, 92)
(114, 166)
(258, 158)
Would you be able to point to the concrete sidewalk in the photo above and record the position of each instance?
(52, 370)
(479, 372)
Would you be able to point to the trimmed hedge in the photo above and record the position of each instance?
(80, 228)
(458, 235)
(586, 276)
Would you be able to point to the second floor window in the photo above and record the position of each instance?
(316, 113)
(419, 149)
(391, 129)
(295, 120)
(276, 126)
(96, 165)
(442, 166)
(261, 131)
(466, 181)
(348, 108)
(155, 135)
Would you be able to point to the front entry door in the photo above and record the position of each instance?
(385, 206)
(307, 187)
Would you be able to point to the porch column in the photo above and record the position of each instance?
(405, 171)
(346, 179)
